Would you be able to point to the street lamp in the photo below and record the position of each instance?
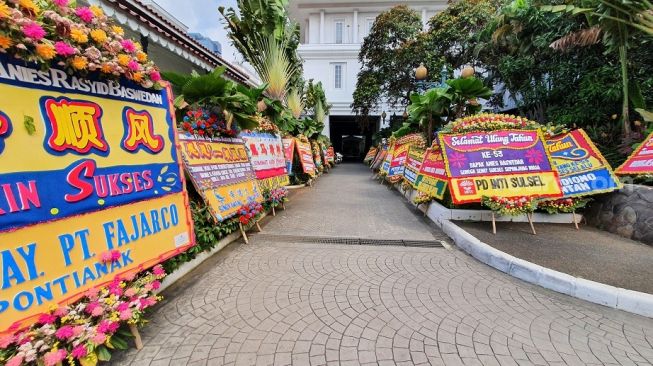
(421, 72)
(383, 115)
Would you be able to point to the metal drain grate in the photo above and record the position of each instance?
(348, 241)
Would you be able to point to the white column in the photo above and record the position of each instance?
(424, 20)
(322, 26)
(355, 26)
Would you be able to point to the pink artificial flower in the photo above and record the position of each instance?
(128, 46)
(6, 341)
(115, 289)
(155, 76)
(78, 330)
(34, 31)
(61, 3)
(91, 306)
(47, 318)
(64, 332)
(130, 292)
(158, 269)
(79, 352)
(54, 357)
(92, 293)
(133, 65)
(85, 14)
(61, 311)
(156, 285)
(99, 338)
(115, 255)
(109, 327)
(122, 306)
(64, 49)
(97, 311)
(15, 361)
(126, 314)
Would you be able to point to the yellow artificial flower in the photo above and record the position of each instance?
(45, 51)
(5, 10)
(99, 35)
(137, 77)
(79, 62)
(96, 11)
(78, 35)
(123, 59)
(117, 30)
(5, 42)
(141, 57)
(29, 6)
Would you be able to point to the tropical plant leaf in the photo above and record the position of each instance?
(646, 115)
(103, 354)
(581, 38)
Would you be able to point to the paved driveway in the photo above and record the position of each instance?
(280, 303)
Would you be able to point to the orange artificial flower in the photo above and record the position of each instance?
(29, 6)
(45, 51)
(106, 68)
(5, 10)
(79, 62)
(137, 77)
(5, 42)
(123, 59)
(99, 35)
(141, 57)
(78, 35)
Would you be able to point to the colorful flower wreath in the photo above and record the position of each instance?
(563, 205)
(406, 185)
(80, 39)
(200, 121)
(416, 139)
(422, 198)
(83, 332)
(489, 122)
(250, 212)
(265, 124)
(277, 196)
(512, 206)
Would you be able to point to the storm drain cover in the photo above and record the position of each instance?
(349, 241)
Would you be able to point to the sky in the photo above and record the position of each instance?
(202, 16)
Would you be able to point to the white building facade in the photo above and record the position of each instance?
(332, 32)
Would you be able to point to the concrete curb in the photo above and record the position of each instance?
(635, 302)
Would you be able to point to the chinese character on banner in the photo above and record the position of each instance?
(139, 132)
(73, 125)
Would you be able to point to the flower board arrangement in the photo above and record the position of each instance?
(489, 122)
(513, 206)
(78, 38)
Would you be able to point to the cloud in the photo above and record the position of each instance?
(202, 16)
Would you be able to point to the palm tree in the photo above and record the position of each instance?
(611, 22)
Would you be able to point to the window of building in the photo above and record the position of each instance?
(340, 30)
(338, 75)
(369, 24)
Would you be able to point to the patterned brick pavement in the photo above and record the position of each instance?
(315, 304)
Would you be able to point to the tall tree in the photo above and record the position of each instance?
(387, 60)
(258, 20)
(612, 22)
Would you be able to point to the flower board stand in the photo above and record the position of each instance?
(243, 231)
(133, 329)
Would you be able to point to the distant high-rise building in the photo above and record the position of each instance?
(213, 46)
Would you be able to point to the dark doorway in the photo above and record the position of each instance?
(349, 138)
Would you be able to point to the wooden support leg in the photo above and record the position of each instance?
(137, 336)
(258, 227)
(283, 205)
(242, 231)
(573, 213)
(494, 224)
(530, 221)
(273, 212)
